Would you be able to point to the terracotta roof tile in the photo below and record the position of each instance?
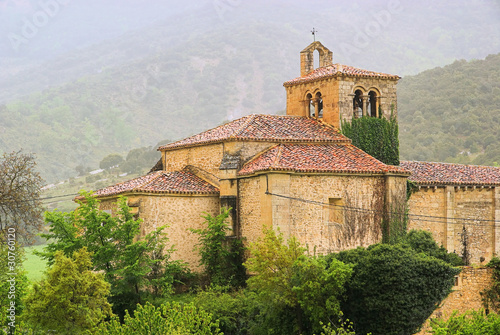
(451, 174)
(260, 127)
(182, 182)
(317, 158)
(337, 69)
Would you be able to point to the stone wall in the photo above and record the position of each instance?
(207, 157)
(304, 211)
(385, 88)
(465, 295)
(178, 212)
(445, 211)
(338, 93)
(252, 214)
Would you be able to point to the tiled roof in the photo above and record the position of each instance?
(317, 158)
(181, 182)
(337, 69)
(260, 127)
(451, 174)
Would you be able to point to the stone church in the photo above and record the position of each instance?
(299, 174)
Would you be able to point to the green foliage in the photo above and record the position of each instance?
(376, 136)
(12, 287)
(394, 288)
(422, 241)
(71, 298)
(168, 319)
(110, 160)
(450, 113)
(319, 287)
(221, 257)
(491, 295)
(271, 261)
(130, 265)
(293, 284)
(469, 323)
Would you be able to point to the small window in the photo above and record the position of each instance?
(357, 104)
(309, 105)
(319, 101)
(372, 104)
(336, 210)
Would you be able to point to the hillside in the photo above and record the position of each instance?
(452, 114)
(172, 72)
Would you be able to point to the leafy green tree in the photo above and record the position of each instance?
(110, 160)
(422, 241)
(130, 265)
(168, 319)
(71, 298)
(319, 287)
(271, 263)
(221, 257)
(468, 323)
(13, 284)
(289, 279)
(394, 288)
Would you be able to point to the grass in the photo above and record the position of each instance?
(34, 265)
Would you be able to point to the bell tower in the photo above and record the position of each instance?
(336, 92)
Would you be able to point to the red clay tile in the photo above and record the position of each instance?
(451, 174)
(337, 69)
(270, 128)
(161, 182)
(318, 158)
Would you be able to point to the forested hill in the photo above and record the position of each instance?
(171, 72)
(452, 114)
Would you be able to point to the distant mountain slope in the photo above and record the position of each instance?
(452, 114)
(218, 60)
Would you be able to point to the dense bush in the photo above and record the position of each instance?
(469, 323)
(394, 288)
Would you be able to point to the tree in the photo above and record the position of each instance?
(221, 257)
(394, 288)
(71, 298)
(20, 205)
(130, 265)
(285, 276)
(13, 284)
(110, 160)
(271, 261)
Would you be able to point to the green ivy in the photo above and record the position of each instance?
(491, 295)
(376, 136)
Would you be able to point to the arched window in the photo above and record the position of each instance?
(309, 105)
(316, 59)
(357, 104)
(372, 104)
(319, 100)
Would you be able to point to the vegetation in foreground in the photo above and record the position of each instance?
(384, 289)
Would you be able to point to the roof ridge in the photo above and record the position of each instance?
(237, 132)
(158, 174)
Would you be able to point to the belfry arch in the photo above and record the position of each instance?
(307, 57)
(335, 92)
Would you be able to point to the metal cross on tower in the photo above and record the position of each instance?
(314, 31)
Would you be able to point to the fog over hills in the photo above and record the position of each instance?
(95, 77)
